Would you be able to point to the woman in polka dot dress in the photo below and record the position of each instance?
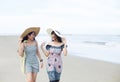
(53, 52)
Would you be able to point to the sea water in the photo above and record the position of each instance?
(99, 47)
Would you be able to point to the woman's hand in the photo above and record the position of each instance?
(20, 44)
(43, 44)
(41, 64)
(65, 47)
(21, 49)
(20, 40)
(44, 50)
(64, 41)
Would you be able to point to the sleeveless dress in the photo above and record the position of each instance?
(54, 62)
(31, 61)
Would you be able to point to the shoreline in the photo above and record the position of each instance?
(81, 56)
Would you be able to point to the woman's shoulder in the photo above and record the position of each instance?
(49, 43)
(35, 42)
(53, 44)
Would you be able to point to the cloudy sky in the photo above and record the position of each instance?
(68, 16)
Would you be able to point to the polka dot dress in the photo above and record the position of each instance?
(54, 62)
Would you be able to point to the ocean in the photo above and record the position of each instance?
(99, 47)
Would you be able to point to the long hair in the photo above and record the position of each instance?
(58, 38)
(26, 37)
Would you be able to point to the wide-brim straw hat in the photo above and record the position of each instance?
(50, 30)
(30, 29)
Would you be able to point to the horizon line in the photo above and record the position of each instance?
(14, 34)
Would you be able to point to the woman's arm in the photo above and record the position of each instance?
(65, 47)
(65, 50)
(44, 51)
(21, 48)
(39, 55)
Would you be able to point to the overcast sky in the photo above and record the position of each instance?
(68, 16)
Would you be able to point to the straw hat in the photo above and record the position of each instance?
(49, 30)
(30, 29)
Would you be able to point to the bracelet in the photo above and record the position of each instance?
(41, 60)
(65, 45)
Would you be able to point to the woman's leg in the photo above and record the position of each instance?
(57, 81)
(52, 81)
(54, 76)
(57, 75)
(34, 74)
(29, 77)
(51, 75)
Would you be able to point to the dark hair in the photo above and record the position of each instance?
(26, 37)
(58, 38)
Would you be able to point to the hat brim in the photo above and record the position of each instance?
(49, 30)
(31, 29)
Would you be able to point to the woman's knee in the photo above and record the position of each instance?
(30, 80)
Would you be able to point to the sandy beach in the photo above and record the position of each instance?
(76, 69)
